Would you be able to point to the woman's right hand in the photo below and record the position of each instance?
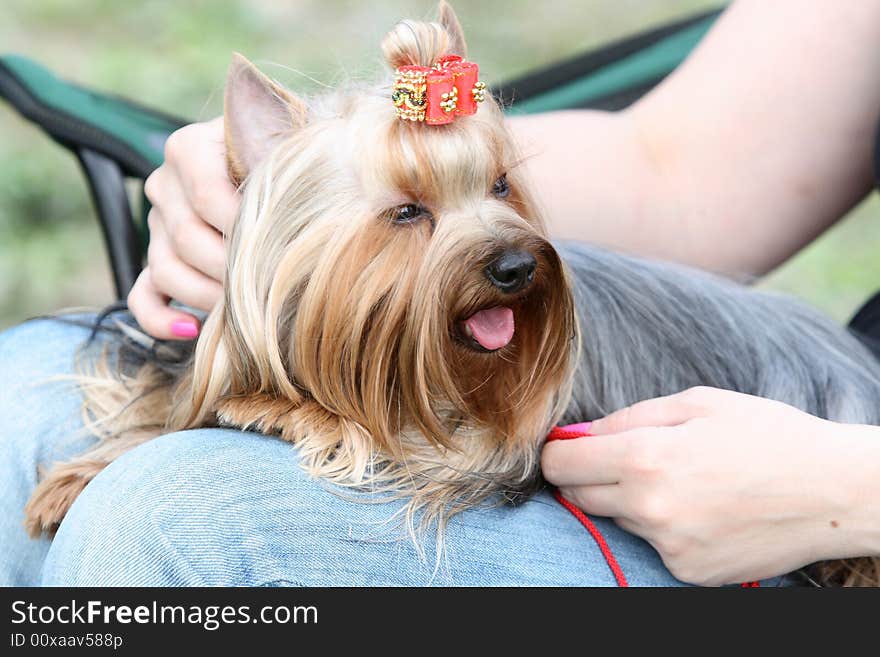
(194, 206)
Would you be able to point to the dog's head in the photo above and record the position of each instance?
(391, 295)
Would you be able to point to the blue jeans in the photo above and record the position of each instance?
(225, 507)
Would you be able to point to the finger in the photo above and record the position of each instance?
(194, 242)
(602, 500)
(150, 308)
(162, 187)
(585, 461)
(204, 177)
(660, 412)
(174, 278)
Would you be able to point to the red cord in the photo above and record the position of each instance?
(560, 433)
(579, 431)
(597, 536)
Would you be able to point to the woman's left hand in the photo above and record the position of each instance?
(727, 487)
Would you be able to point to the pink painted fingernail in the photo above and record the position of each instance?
(185, 328)
(580, 427)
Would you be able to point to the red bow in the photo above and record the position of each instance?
(437, 94)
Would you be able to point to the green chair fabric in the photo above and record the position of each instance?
(132, 135)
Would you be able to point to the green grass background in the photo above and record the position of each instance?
(173, 55)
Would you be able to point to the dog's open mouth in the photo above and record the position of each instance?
(488, 330)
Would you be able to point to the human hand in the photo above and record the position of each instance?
(194, 206)
(727, 487)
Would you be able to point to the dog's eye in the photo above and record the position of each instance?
(410, 213)
(501, 188)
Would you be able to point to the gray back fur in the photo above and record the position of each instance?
(651, 329)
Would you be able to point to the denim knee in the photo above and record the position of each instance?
(212, 507)
(193, 508)
(224, 507)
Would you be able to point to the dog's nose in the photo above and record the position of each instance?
(512, 271)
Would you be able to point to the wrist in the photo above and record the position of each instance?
(850, 522)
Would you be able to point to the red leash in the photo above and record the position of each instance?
(597, 536)
(581, 430)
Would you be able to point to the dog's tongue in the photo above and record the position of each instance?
(493, 327)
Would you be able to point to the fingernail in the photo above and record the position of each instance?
(185, 328)
(580, 427)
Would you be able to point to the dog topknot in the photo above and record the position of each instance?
(415, 43)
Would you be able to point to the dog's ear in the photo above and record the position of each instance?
(449, 20)
(257, 113)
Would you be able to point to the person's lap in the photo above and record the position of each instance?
(225, 507)
(39, 424)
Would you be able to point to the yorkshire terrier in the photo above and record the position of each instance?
(393, 306)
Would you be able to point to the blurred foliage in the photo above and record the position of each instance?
(173, 56)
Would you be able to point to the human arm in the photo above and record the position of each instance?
(754, 146)
(728, 487)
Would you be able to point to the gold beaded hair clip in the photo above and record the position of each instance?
(438, 94)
